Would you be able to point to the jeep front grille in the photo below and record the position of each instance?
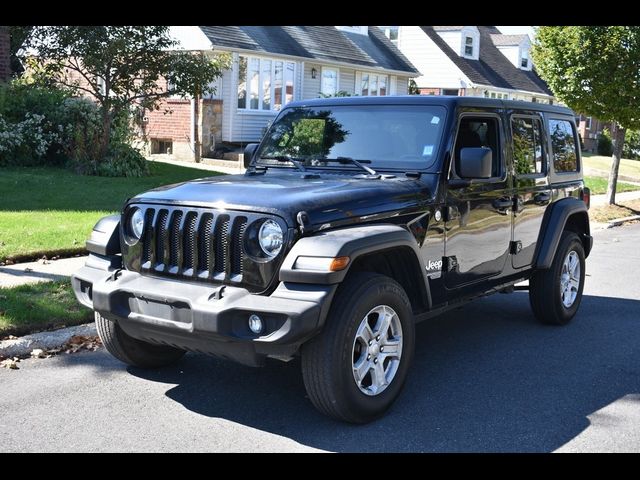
(194, 243)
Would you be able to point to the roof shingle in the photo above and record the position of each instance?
(326, 43)
(492, 68)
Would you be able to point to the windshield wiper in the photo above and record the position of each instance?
(285, 158)
(358, 163)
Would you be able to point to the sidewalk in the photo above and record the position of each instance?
(600, 200)
(34, 272)
(201, 166)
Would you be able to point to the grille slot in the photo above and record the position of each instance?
(237, 237)
(195, 243)
(205, 250)
(174, 240)
(189, 242)
(221, 244)
(161, 238)
(147, 245)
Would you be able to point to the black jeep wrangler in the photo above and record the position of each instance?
(356, 218)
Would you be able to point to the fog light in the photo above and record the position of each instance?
(255, 324)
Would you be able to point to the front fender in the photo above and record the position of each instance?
(105, 237)
(351, 242)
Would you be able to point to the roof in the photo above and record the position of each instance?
(492, 68)
(442, 100)
(322, 43)
(447, 28)
(500, 40)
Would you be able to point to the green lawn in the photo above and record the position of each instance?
(40, 306)
(51, 210)
(630, 168)
(598, 185)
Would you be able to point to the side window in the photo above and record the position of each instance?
(479, 132)
(563, 145)
(527, 145)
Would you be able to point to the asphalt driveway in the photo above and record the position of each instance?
(486, 378)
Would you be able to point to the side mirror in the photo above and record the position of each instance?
(475, 162)
(249, 150)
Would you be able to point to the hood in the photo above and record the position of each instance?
(326, 197)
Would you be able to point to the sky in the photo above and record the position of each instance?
(511, 30)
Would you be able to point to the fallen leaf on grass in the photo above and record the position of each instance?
(10, 363)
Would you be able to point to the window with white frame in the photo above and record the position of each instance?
(468, 46)
(264, 83)
(373, 85)
(329, 81)
(587, 123)
(498, 95)
(391, 32)
(524, 59)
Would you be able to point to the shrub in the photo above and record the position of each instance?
(46, 126)
(83, 134)
(31, 125)
(123, 161)
(631, 147)
(605, 145)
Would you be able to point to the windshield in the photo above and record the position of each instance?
(402, 137)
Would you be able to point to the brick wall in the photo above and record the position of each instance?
(429, 91)
(5, 65)
(172, 122)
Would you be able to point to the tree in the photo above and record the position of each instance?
(121, 67)
(595, 70)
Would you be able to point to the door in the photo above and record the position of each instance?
(532, 192)
(478, 224)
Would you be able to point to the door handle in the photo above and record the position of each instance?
(542, 198)
(502, 203)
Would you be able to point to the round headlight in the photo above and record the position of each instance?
(270, 238)
(136, 224)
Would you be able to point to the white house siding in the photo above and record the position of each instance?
(402, 86)
(229, 100)
(453, 39)
(311, 87)
(249, 126)
(512, 53)
(347, 80)
(437, 69)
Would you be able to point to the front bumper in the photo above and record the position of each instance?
(210, 319)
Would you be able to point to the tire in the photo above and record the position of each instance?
(328, 359)
(545, 286)
(131, 350)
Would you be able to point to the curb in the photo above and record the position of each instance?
(619, 221)
(23, 346)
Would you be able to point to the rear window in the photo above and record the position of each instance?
(527, 145)
(563, 146)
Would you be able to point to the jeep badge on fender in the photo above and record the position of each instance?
(356, 218)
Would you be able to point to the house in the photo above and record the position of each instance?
(590, 129)
(272, 66)
(472, 61)
(5, 64)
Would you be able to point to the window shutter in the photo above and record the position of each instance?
(392, 85)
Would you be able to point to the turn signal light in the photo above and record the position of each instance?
(339, 263)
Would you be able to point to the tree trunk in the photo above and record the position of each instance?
(106, 134)
(197, 147)
(615, 164)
